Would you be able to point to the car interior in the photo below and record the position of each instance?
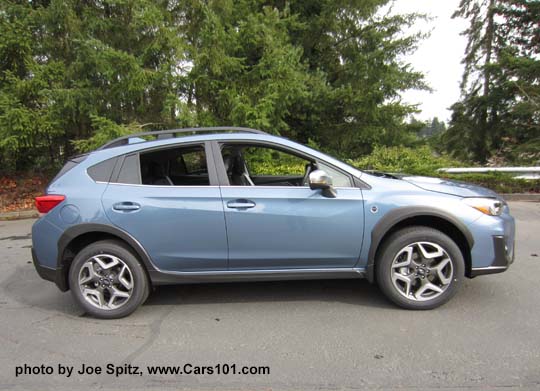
(175, 167)
(247, 165)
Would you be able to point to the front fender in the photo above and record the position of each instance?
(401, 214)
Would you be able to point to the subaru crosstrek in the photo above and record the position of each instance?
(237, 204)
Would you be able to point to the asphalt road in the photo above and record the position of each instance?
(338, 335)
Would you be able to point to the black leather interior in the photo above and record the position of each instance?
(156, 175)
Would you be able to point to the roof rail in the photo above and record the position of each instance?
(124, 140)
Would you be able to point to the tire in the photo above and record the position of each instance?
(419, 268)
(107, 280)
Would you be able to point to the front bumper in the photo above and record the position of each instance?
(504, 257)
(55, 275)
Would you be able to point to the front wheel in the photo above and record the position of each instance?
(107, 280)
(419, 268)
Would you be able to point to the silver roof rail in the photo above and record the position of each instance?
(124, 140)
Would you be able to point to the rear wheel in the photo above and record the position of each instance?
(419, 268)
(107, 280)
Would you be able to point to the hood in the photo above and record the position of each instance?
(447, 186)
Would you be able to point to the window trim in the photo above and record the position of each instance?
(224, 179)
(207, 148)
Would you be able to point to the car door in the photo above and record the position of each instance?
(275, 221)
(168, 202)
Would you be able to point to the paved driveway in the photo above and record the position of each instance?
(312, 335)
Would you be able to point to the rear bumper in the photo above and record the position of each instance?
(54, 275)
(504, 257)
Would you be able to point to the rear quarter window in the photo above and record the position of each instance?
(130, 173)
(102, 172)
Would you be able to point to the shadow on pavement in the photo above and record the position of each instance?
(25, 287)
(353, 291)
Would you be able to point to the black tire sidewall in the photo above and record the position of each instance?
(401, 239)
(140, 281)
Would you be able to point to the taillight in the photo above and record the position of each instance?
(47, 202)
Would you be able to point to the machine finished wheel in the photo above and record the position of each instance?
(419, 268)
(107, 280)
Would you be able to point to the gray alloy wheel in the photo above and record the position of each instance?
(106, 282)
(422, 271)
(419, 268)
(107, 279)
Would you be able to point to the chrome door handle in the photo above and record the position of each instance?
(126, 206)
(240, 204)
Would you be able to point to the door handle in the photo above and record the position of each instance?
(126, 206)
(240, 204)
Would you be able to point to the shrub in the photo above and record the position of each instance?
(422, 161)
(499, 182)
(417, 161)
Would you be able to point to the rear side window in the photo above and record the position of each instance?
(181, 166)
(102, 172)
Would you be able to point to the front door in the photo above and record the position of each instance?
(275, 221)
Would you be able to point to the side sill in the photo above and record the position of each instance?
(166, 278)
(481, 271)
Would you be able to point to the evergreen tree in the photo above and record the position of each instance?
(327, 71)
(70, 69)
(500, 85)
(74, 74)
(432, 128)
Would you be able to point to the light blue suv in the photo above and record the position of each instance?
(237, 204)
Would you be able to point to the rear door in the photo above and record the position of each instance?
(168, 201)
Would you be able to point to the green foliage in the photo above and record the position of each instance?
(68, 66)
(417, 161)
(331, 72)
(500, 106)
(265, 161)
(412, 161)
(432, 128)
(499, 182)
(105, 130)
(74, 75)
(422, 161)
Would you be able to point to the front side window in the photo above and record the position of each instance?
(254, 165)
(339, 179)
(258, 165)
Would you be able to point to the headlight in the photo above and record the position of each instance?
(489, 206)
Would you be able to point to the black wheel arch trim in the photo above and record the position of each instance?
(396, 216)
(77, 230)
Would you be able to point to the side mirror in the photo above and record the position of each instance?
(319, 179)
